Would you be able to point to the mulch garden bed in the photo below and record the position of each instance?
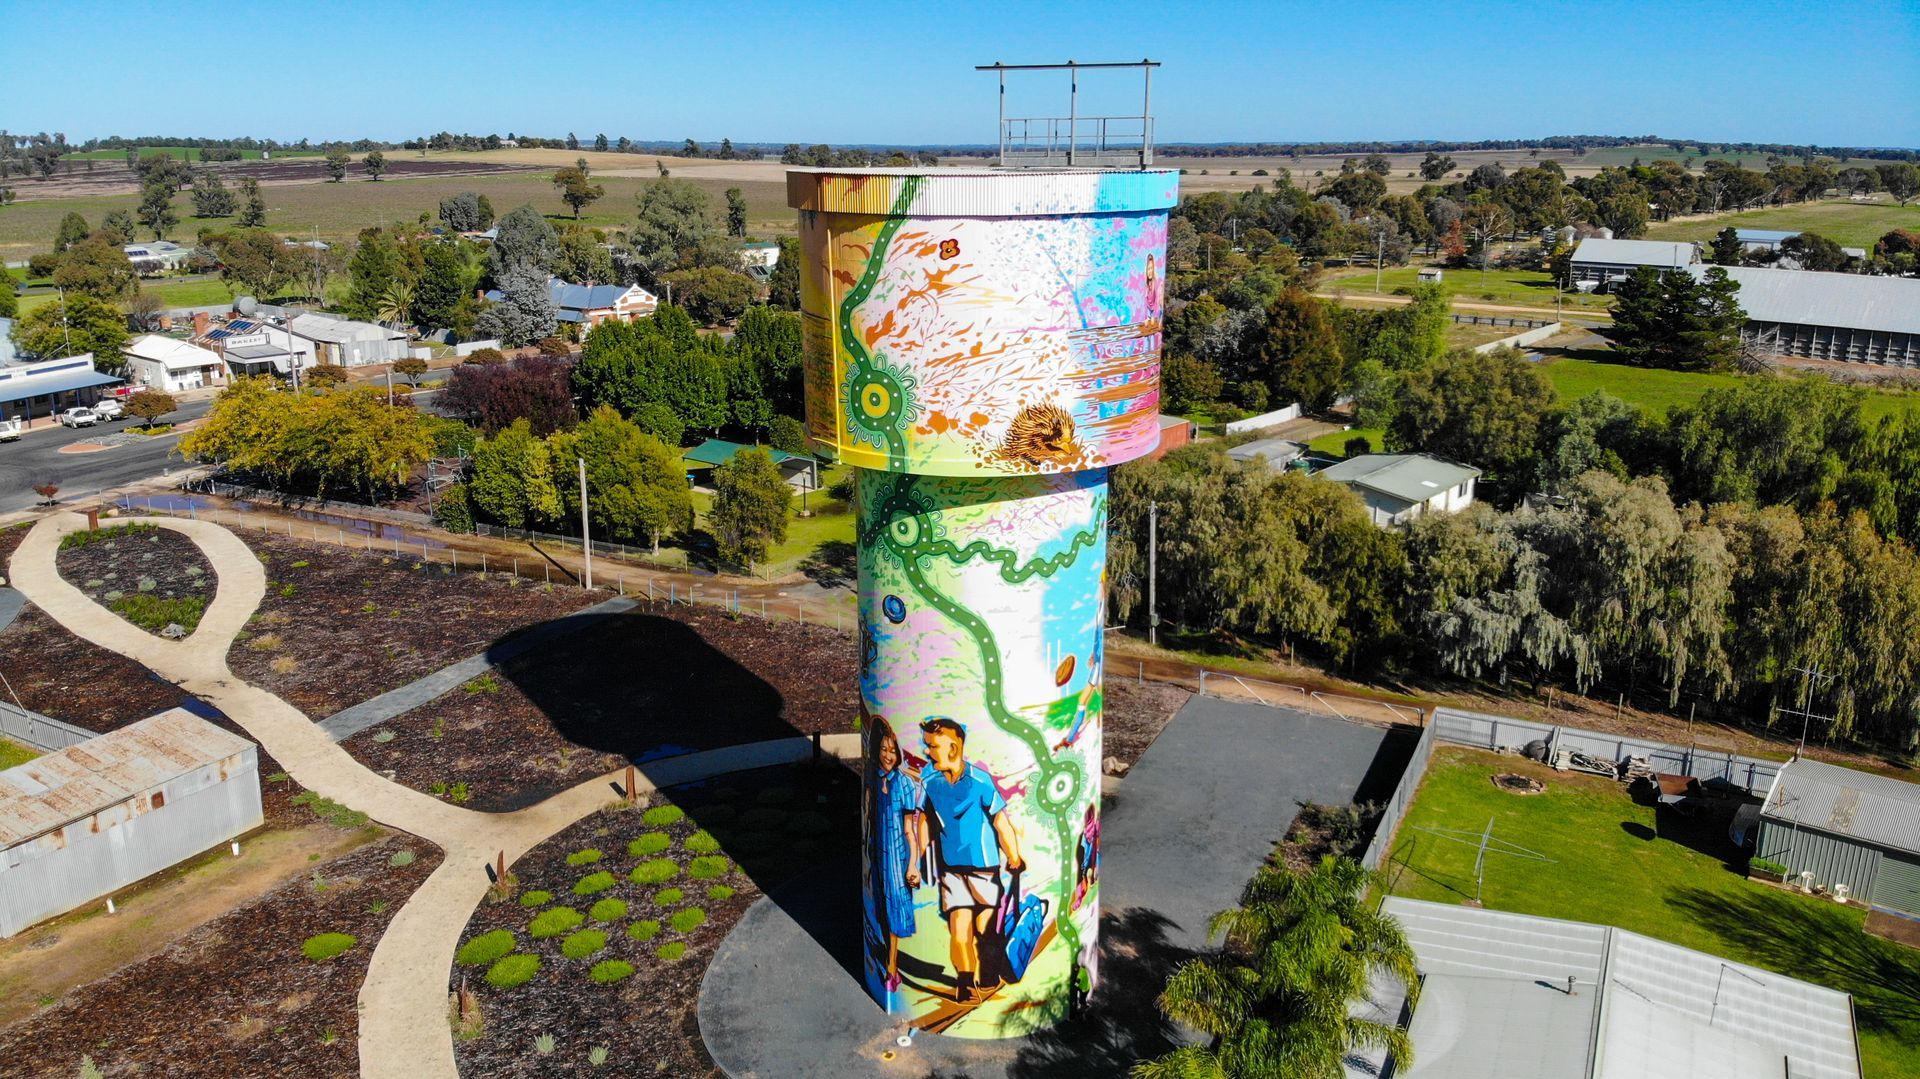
(713, 848)
(149, 575)
(57, 674)
(237, 997)
(656, 681)
(339, 626)
(1320, 830)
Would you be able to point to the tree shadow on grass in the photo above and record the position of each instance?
(1819, 942)
(831, 565)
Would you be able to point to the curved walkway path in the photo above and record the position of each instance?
(404, 1030)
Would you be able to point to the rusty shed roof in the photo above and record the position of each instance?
(79, 781)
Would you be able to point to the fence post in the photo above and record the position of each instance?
(623, 584)
(1203, 682)
(483, 563)
(673, 593)
(548, 566)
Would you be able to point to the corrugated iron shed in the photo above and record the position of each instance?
(1859, 805)
(79, 781)
(1817, 298)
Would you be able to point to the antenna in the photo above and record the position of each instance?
(1484, 840)
(1809, 677)
(1073, 140)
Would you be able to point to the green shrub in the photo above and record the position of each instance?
(661, 816)
(536, 899)
(650, 843)
(702, 842)
(325, 946)
(707, 867)
(671, 950)
(483, 683)
(513, 970)
(594, 883)
(611, 970)
(401, 858)
(484, 949)
(644, 930)
(1762, 865)
(552, 923)
(608, 910)
(667, 897)
(720, 891)
(654, 871)
(154, 614)
(82, 539)
(687, 919)
(583, 857)
(583, 944)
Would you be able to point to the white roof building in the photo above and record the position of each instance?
(171, 366)
(1604, 261)
(1830, 316)
(1517, 995)
(347, 342)
(1397, 487)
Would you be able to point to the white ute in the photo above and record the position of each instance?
(108, 408)
(78, 416)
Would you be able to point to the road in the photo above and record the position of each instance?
(36, 458)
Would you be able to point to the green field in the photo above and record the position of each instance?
(1515, 288)
(831, 521)
(1334, 443)
(192, 153)
(1851, 224)
(1658, 391)
(1616, 862)
(337, 212)
(195, 293)
(12, 753)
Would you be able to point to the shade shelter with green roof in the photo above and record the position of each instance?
(801, 469)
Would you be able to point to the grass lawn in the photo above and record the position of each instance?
(831, 522)
(1517, 288)
(1659, 391)
(1845, 222)
(1619, 863)
(1335, 442)
(12, 753)
(196, 293)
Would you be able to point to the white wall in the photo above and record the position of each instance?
(1264, 420)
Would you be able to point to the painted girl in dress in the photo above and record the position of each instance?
(898, 842)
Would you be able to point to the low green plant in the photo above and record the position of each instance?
(154, 614)
(90, 1070)
(654, 871)
(1764, 865)
(82, 539)
(485, 949)
(483, 683)
(649, 843)
(667, 897)
(545, 1044)
(330, 811)
(555, 921)
(720, 891)
(608, 910)
(644, 930)
(584, 857)
(323, 946)
(597, 1056)
(707, 867)
(300, 565)
(661, 816)
(401, 858)
(702, 842)
(383, 737)
(536, 899)
(671, 950)
(593, 883)
(513, 970)
(606, 972)
(584, 943)
(687, 919)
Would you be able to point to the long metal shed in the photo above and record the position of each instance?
(81, 822)
(1846, 827)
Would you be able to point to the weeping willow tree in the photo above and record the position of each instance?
(1276, 1000)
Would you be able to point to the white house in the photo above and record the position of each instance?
(1398, 487)
(157, 256)
(762, 253)
(170, 366)
(346, 342)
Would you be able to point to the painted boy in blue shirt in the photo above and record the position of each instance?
(975, 840)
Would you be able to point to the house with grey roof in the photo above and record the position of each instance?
(1854, 318)
(1517, 995)
(1397, 487)
(1763, 239)
(1274, 453)
(1598, 263)
(346, 342)
(1840, 828)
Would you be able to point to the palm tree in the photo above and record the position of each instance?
(1275, 998)
(396, 304)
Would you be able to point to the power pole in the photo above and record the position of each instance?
(1808, 675)
(1153, 567)
(586, 541)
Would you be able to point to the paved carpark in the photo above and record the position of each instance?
(1186, 829)
(36, 458)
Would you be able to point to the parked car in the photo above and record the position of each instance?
(10, 429)
(78, 416)
(109, 408)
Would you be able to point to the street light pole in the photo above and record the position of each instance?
(586, 540)
(1153, 608)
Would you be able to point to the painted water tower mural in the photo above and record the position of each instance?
(984, 346)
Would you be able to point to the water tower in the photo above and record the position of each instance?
(983, 345)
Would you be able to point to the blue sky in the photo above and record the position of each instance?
(858, 71)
